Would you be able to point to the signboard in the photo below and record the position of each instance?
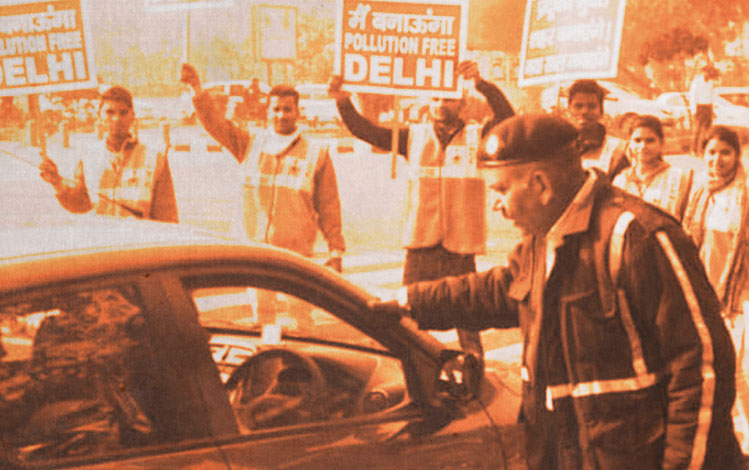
(170, 5)
(45, 46)
(277, 29)
(570, 39)
(406, 47)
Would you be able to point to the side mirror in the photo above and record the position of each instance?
(459, 376)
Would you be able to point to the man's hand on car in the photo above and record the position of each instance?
(189, 76)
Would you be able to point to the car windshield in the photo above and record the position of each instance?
(274, 315)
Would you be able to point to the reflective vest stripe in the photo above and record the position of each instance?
(616, 248)
(708, 373)
(598, 387)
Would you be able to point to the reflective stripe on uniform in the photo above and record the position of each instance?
(616, 249)
(599, 387)
(704, 418)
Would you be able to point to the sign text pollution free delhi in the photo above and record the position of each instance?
(401, 47)
(44, 47)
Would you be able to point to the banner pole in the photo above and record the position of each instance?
(395, 139)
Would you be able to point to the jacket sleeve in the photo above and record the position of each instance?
(328, 204)
(362, 128)
(677, 313)
(500, 106)
(475, 301)
(73, 196)
(227, 134)
(164, 201)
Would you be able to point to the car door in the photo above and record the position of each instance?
(384, 424)
(88, 380)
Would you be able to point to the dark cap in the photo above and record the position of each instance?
(527, 138)
(118, 93)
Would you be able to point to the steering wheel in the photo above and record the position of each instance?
(277, 387)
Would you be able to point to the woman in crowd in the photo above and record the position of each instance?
(716, 219)
(650, 177)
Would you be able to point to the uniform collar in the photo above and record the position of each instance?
(576, 217)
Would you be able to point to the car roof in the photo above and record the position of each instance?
(86, 246)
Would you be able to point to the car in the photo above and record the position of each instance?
(730, 107)
(675, 105)
(132, 344)
(234, 92)
(315, 106)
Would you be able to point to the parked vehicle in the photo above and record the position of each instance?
(315, 106)
(730, 106)
(131, 344)
(234, 91)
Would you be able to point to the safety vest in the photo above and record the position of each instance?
(446, 194)
(278, 194)
(127, 183)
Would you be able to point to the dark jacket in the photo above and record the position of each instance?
(642, 364)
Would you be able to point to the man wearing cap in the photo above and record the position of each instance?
(585, 108)
(290, 187)
(626, 363)
(132, 181)
(446, 224)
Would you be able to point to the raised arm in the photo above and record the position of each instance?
(500, 106)
(224, 131)
(361, 127)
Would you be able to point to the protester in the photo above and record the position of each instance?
(290, 188)
(585, 108)
(652, 178)
(446, 225)
(626, 363)
(131, 179)
(716, 218)
(701, 105)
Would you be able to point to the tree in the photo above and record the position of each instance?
(665, 41)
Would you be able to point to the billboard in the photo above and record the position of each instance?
(405, 47)
(277, 29)
(570, 39)
(45, 46)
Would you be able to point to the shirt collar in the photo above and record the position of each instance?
(576, 217)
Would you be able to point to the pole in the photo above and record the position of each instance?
(187, 36)
(395, 139)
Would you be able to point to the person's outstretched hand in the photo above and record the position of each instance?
(49, 172)
(469, 70)
(189, 76)
(335, 90)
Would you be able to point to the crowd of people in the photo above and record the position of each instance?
(628, 286)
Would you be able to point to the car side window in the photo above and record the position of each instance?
(76, 376)
(285, 361)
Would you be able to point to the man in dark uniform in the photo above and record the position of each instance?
(626, 361)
